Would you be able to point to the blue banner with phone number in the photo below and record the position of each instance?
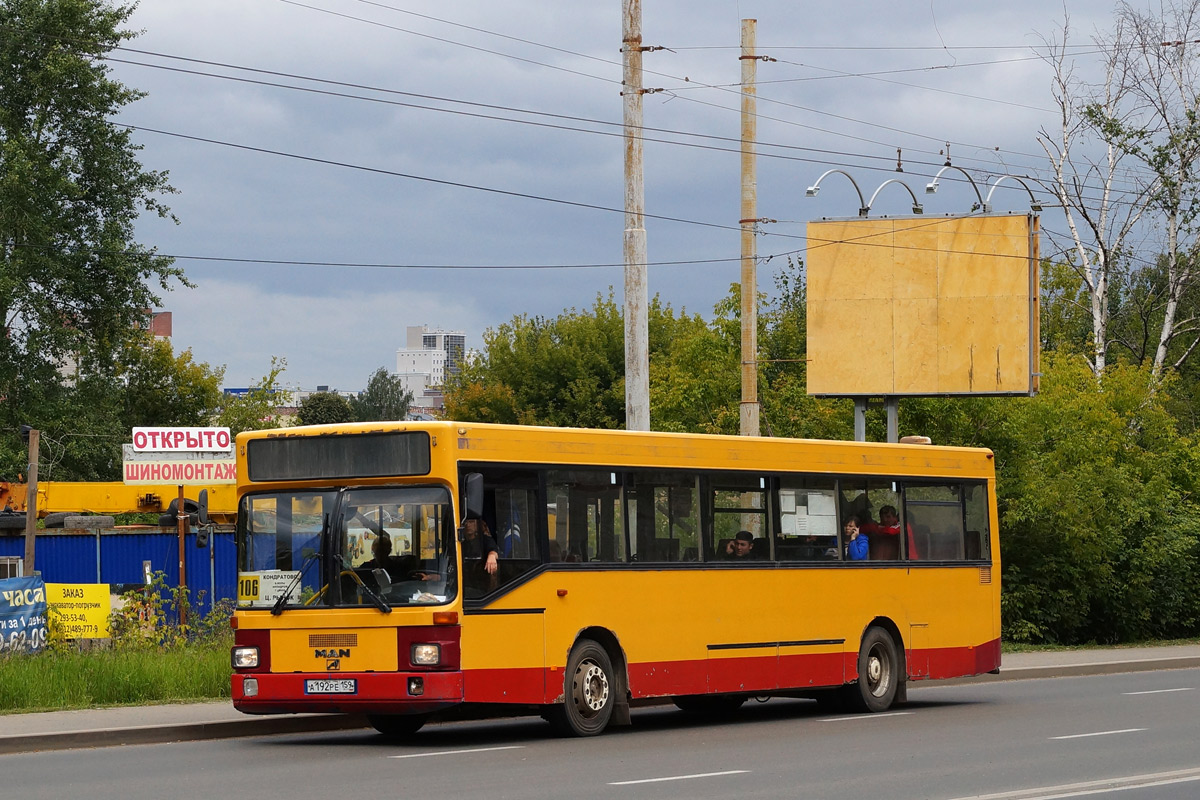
(22, 615)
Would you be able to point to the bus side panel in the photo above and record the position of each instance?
(952, 639)
(503, 657)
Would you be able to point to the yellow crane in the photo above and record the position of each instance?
(114, 497)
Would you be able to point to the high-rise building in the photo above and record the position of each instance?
(452, 343)
(430, 357)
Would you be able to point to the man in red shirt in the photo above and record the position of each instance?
(884, 536)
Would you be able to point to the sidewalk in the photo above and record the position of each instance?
(106, 727)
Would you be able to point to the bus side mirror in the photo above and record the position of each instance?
(202, 535)
(202, 508)
(472, 496)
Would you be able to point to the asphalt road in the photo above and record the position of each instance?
(1132, 736)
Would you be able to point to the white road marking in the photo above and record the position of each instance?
(868, 716)
(1161, 691)
(681, 777)
(459, 752)
(1086, 788)
(1097, 733)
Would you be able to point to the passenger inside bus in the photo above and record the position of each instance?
(481, 558)
(884, 536)
(741, 547)
(856, 544)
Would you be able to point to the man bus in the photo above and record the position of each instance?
(618, 588)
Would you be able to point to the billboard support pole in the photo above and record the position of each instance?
(893, 418)
(860, 419)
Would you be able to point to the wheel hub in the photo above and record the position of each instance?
(591, 687)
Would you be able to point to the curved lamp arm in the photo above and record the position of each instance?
(811, 191)
(916, 207)
(1034, 205)
(932, 186)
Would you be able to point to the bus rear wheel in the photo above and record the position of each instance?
(397, 726)
(878, 672)
(588, 692)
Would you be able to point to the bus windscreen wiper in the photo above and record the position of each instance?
(310, 557)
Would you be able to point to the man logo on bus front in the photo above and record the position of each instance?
(333, 664)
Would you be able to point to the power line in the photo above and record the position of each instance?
(531, 112)
(659, 74)
(427, 179)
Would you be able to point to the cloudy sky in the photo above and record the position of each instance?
(466, 156)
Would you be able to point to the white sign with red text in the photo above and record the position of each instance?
(174, 440)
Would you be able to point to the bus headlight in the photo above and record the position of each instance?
(245, 657)
(426, 655)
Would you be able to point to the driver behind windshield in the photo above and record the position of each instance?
(398, 568)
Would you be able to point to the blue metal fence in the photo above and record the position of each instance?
(117, 556)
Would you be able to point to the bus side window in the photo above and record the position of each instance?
(935, 516)
(807, 525)
(583, 516)
(661, 511)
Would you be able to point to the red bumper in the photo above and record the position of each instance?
(384, 693)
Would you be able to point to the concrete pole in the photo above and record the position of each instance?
(749, 223)
(27, 567)
(637, 337)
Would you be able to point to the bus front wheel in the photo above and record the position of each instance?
(397, 726)
(588, 692)
(878, 672)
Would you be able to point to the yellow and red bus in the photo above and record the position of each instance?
(615, 581)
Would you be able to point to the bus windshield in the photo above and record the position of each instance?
(353, 547)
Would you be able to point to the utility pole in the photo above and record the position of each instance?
(749, 223)
(637, 337)
(27, 568)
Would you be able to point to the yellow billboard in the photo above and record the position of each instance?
(80, 610)
(923, 306)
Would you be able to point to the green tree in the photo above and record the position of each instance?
(162, 388)
(385, 398)
(323, 408)
(84, 424)
(73, 282)
(567, 371)
(259, 408)
(1096, 489)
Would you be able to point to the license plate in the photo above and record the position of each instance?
(331, 686)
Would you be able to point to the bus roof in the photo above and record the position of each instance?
(528, 444)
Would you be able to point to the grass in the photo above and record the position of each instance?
(1017, 647)
(56, 681)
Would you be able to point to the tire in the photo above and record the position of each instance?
(878, 672)
(589, 692)
(709, 705)
(99, 521)
(12, 522)
(189, 506)
(56, 519)
(397, 727)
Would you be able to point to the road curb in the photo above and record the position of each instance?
(1072, 670)
(179, 732)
